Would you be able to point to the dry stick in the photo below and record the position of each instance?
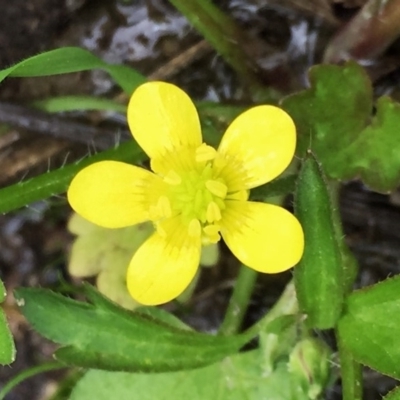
(181, 61)
(368, 34)
(52, 125)
(176, 64)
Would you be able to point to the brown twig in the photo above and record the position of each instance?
(368, 34)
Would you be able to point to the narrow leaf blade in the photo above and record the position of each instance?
(72, 59)
(103, 335)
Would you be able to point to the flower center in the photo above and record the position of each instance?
(195, 192)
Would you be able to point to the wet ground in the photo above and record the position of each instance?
(289, 37)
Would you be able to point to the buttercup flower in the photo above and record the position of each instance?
(195, 194)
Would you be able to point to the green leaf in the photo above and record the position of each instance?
(161, 315)
(333, 118)
(235, 378)
(330, 115)
(375, 154)
(56, 182)
(319, 276)
(74, 103)
(370, 327)
(102, 335)
(7, 347)
(393, 395)
(73, 59)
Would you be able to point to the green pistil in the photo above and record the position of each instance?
(191, 198)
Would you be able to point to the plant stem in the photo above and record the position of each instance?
(239, 301)
(50, 366)
(229, 40)
(351, 372)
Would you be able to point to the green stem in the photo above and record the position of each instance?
(285, 305)
(51, 366)
(56, 182)
(351, 372)
(239, 301)
(229, 40)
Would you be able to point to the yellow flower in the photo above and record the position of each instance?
(195, 194)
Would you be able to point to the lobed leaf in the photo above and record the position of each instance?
(330, 115)
(334, 119)
(374, 155)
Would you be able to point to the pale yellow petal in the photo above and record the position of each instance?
(79, 225)
(86, 255)
(264, 237)
(162, 117)
(261, 142)
(113, 194)
(163, 267)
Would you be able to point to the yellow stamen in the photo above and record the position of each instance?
(213, 212)
(241, 195)
(194, 228)
(211, 234)
(217, 188)
(205, 153)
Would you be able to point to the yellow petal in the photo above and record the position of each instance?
(113, 194)
(163, 267)
(262, 236)
(162, 117)
(261, 141)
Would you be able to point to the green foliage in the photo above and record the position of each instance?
(375, 155)
(251, 375)
(72, 59)
(330, 114)
(229, 380)
(309, 366)
(7, 348)
(319, 275)
(370, 328)
(334, 118)
(73, 103)
(56, 182)
(235, 378)
(102, 335)
(393, 395)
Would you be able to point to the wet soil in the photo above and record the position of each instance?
(152, 37)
